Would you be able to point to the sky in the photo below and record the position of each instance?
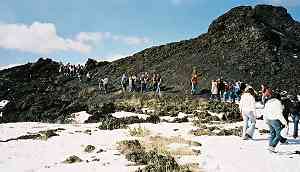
(75, 30)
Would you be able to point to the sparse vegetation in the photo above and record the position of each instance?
(153, 160)
(138, 132)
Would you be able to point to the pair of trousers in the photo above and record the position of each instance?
(249, 123)
(296, 117)
(275, 127)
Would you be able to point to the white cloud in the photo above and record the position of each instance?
(284, 3)
(42, 38)
(38, 38)
(8, 66)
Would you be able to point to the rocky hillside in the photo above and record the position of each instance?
(257, 45)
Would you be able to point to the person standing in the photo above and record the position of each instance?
(130, 84)
(105, 83)
(236, 90)
(142, 80)
(221, 88)
(214, 90)
(134, 81)
(273, 115)
(158, 82)
(248, 111)
(194, 82)
(124, 82)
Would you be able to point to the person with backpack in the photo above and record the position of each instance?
(273, 115)
(248, 111)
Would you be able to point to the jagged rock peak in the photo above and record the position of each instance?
(272, 16)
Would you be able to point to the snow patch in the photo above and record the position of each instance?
(123, 114)
(295, 56)
(80, 117)
(3, 103)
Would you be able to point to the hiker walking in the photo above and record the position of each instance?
(105, 83)
(214, 89)
(154, 82)
(158, 83)
(134, 82)
(236, 91)
(263, 91)
(273, 115)
(248, 112)
(194, 81)
(146, 81)
(124, 80)
(143, 85)
(221, 88)
(130, 83)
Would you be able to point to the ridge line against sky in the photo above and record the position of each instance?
(72, 31)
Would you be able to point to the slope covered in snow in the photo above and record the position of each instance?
(218, 153)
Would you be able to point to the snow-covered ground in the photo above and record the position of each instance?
(40, 156)
(231, 153)
(218, 153)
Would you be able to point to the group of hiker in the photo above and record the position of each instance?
(146, 82)
(74, 71)
(276, 112)
(226, 91)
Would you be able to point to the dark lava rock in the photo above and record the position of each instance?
(72, 159)
(101, 112)
(111, 123)
(89, 148)
(100, 151)
(42, 135)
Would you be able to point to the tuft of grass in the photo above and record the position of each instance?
(138, 132)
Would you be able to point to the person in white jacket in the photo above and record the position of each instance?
(248, 112)
(273, 115)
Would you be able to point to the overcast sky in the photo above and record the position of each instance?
(74, 30)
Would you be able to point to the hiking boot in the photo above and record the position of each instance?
(271, 149)
(245, 138)
(285, 143)
(248, 136)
